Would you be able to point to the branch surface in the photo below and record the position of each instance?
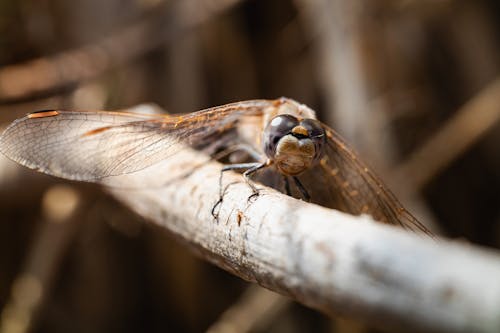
(334, 262)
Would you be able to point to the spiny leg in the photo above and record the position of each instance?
(251, 151)
(251, 171)
(302, 189)
(249, 166)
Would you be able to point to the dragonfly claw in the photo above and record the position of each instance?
(215, 211)
(254, 195)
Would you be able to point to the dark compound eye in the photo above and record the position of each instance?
(278, 127)
(314, 128)
(316, 134)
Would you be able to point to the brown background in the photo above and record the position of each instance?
(388, 75)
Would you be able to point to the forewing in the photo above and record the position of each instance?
(349, 185)
(91, 145)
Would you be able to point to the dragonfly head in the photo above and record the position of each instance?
(293, 145)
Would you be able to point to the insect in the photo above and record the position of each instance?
(282, 137)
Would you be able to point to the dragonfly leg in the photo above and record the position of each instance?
(288, 190)
(251, 168)
(249, 172)
(302, 189)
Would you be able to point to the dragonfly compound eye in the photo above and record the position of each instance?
(316, 134)
(277, 128)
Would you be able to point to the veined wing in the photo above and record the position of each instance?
(352, 187)
(91, 145)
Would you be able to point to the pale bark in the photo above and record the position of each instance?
(334, 262)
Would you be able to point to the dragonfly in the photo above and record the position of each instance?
(282, 139)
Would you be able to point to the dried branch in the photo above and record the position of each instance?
(336, 263)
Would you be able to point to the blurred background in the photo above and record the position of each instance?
(413, 85)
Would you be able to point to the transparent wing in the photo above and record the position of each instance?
(349, 185)
(91, 145)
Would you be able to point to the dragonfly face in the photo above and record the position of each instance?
(293, 145)
(95, 145)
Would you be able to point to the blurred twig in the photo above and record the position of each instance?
(337, 263)
(465, 128)
(346, 35)
(33, 284)
(343, 73)
(253, 312)
(48, 75)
